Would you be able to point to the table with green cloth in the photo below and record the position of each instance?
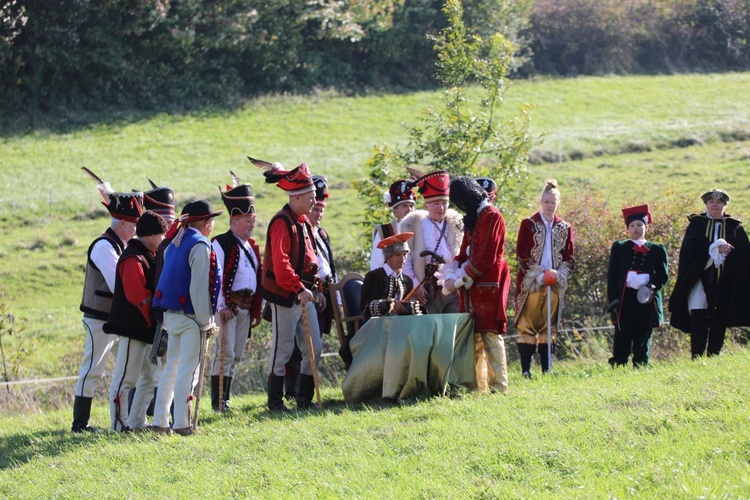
(397, 357)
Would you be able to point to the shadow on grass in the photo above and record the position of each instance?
(70, 121)
(20, 449)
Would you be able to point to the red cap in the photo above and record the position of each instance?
(641, 212)
(434, 186)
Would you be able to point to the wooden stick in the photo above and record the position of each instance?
(311, 350)
(222, 346)
(200, 384)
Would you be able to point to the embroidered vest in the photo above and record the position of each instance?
(97, 299)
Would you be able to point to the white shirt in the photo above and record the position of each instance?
(324, 267)
(246, 277)
(546, 262)
(105, 257)
(431, 235)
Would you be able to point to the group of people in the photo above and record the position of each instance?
(158, 288)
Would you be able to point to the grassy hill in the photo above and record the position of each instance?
(630, 137)
(675, 430)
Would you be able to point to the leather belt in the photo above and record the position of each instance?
(242, 298)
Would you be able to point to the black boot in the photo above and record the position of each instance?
(276, 394)
(525, 353)
(81, 415)
(215, 392)
(291, 378)
(227, 388)
(306, 391)
(150, 409)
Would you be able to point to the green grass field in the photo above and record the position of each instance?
(679, 429)
(676, 430)
(627, 136)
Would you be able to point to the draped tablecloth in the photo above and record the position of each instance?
(399, 357)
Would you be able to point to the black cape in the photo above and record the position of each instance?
(731, 290)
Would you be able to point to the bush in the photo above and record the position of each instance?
(572, 37)
(596, 225)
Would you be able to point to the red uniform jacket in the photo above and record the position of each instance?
(483, 249)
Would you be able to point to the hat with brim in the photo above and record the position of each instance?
(199, 210)
(400, 192)
(641, 212)
(239, 200)
(159, 200)
(395, 244)
(295, 182)
(124, 206)
(321, 190)
(715, 194)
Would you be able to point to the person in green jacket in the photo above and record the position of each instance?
(638, 271)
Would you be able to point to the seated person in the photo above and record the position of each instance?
(386, 287)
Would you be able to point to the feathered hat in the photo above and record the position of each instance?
(294, 182)
(238, 198)
(400, 192)
(159, 200)
(123, 206)
(434, 186)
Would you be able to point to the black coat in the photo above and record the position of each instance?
(730, 289)
(377, 295)
(622, 259)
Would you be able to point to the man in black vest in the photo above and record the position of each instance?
(130, 318)
(240, 299)
(98, 289)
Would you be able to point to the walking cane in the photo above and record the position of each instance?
(200, 384)
(549, 328)
(311, 350)
(222, 346)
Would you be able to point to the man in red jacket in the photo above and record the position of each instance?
(482, 278)
(289, 283)
(130, 318)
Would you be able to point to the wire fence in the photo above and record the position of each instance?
(261, 361)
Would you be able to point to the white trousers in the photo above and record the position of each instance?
(180, 375)
(234, 336)
(96, 352)
(287, 326)
(133, 369)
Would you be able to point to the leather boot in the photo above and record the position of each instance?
(150, 410)
(227, 388)
(215, 392)
(81, 415)
(291, 379)
(306, 391)
(276, 394)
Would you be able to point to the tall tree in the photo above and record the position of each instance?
(465, 134)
